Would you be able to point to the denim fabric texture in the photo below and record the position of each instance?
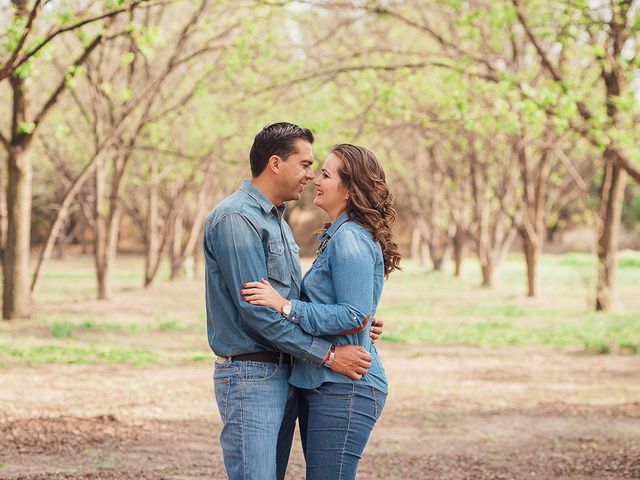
(342, 287)
(258, 409)
(245, 239)
(336, 420)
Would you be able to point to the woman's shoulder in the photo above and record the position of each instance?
(352, 235)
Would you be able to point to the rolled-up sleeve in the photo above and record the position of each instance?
(238, 249)
(351, 261)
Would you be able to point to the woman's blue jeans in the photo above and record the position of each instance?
(336, 420)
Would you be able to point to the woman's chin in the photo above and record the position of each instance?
(319, 205)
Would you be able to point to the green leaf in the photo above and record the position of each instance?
(26, 127)
(128, 58)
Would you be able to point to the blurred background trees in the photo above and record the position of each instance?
(500, 124)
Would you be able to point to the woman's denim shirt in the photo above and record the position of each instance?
(342, 287)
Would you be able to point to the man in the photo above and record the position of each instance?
(245, 239)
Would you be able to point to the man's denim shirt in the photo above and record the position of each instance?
(246, 239)
(342, 287)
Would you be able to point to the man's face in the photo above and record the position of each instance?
(296, 171)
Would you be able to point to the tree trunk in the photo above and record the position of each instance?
(176, 245)
(3, 215)
(611, 198)
(17, 297)
(152, 253)
(63, 240)
(484, 247)
(420, 250)
(100, 241)
(487, 274)
(416, 241)
(198, 257)
(459, 241)
(16, 294)
(440, 251)
(532, 256)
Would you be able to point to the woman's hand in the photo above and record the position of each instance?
(262, 293)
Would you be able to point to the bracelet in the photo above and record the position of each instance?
(286, 309)
(332, 356)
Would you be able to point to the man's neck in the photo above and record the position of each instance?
(265, 185)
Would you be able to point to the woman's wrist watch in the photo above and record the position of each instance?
(286, 309)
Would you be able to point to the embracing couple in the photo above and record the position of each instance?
(290, 347)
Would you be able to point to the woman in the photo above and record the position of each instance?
(339, 294)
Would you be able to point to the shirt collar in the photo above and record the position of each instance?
(254, 192)
(335, 225)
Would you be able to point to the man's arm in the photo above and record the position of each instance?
(240, 256)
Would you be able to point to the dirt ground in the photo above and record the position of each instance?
(453, 413)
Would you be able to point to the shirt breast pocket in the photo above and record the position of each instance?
(278, 267)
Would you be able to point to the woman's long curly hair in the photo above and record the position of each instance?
(370, 203)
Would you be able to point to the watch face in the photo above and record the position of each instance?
(286, 310)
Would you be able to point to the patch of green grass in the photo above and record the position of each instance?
(200, 357)
(170, 326)
(576, 260)
(88, 323)
(67, 354)
(597, 345)
(68, 329)
(631, 346)
(629, 262)
(595, 332)
(439, 309)
(60, 329)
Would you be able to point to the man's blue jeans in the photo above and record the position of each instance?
(258, 410)
(336, 420)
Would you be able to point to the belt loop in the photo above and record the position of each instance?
(280, 357)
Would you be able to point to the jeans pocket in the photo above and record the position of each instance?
(221, 388)
(259, 371)
(379, 399)
(336, 390)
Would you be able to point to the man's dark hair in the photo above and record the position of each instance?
(275, 139)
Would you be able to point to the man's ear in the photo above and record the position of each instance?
(274, 163)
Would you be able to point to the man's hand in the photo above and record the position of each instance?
(351, 361)
(376, 329)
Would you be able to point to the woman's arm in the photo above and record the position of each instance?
(352, 263)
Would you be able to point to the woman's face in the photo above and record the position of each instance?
(331, 195)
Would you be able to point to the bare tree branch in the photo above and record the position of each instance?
(360, 68)
(8, 68)
(544, 58)
(5, 142)
(53, 99)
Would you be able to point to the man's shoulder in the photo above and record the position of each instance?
(236, 203)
